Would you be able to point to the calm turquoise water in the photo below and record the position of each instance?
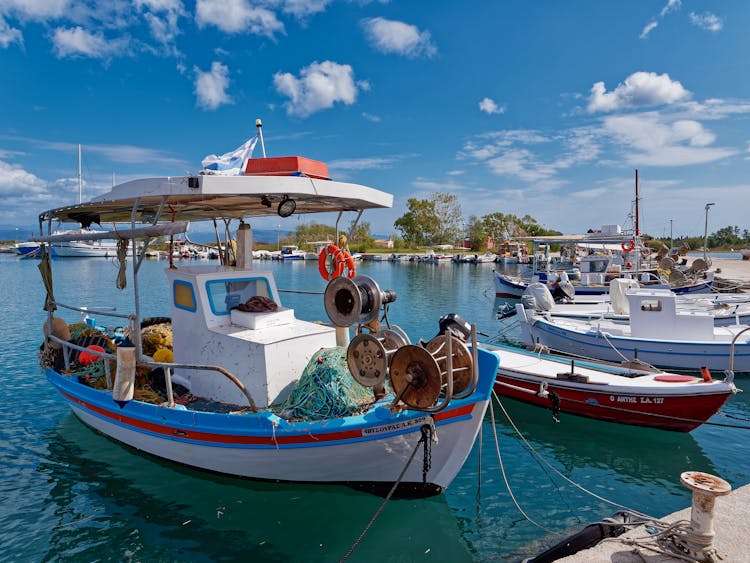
(67, 492)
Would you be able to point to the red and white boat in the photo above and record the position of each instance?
(610, 392)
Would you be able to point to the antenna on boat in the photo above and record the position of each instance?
(259, 125)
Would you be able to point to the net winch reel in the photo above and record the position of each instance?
(358, 301)
(443, 367)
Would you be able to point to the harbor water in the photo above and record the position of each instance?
(67, 492)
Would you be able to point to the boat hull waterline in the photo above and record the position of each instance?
(346, 450)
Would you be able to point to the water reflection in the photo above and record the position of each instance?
(106, 499)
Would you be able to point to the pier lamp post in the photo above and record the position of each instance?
(705, 234)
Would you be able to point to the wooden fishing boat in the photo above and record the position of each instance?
(228, 394)
(611, 392)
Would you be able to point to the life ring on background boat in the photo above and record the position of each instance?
(628, 246)
(340, 259)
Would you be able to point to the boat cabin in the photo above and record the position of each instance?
(654, 314)
(265, 350)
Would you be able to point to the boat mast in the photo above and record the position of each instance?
(637, 232)
(80, 177)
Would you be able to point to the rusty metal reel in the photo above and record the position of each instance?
(415, 377)
(463, 363)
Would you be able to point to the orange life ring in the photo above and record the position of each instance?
(338, 261)
(351, 270)
(628, 246)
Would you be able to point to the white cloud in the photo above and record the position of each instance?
(9, 34)
(211, 86)
(371, 117)
(638, 89)
(304, 8)
(38, 10)
(77, 41)
(509, 153)
(15, 180)
(395, 37)
(648, 28)
(362, 163)
(653, 140)
(670, 6)
(237, 16)
(707, 21)
(162, 17)
(318, 87)
(489, 106)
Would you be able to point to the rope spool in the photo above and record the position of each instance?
(369, 356)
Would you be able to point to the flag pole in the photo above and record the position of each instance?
(259, 125)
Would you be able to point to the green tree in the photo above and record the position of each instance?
(313, 231)
(436, 220)
(414, 225)
(359, 237)
(447, 228)
(476, 233)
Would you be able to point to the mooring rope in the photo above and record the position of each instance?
(385, 500)
(557, 471)
(505, 477)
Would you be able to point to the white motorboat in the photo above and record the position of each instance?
(725, 308)
(656, 332)
(250, 373)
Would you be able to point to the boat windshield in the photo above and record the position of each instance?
(224, 295)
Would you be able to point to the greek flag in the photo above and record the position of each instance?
(231, 163)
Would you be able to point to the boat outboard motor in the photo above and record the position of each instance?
(564, 291)
(543, 300)
(457, 326)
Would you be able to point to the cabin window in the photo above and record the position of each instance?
(598, 266)
(184, 296)
(224, 295)
(651, 305)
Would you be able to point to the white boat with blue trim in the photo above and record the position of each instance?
(656, 332)
(222, 377)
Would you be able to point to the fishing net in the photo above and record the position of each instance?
(325, 390)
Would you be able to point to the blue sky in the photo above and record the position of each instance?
(536, 107)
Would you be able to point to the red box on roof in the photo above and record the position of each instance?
(287, 166)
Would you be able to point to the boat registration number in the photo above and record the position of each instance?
(642, 400)
(395, 426)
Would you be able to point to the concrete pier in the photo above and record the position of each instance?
(732, 540)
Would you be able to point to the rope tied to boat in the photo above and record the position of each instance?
(425, 430)
(122, 255)
(426, 439)
(554, 399)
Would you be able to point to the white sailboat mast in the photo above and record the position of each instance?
(80, 177)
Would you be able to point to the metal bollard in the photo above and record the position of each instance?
(698, 540)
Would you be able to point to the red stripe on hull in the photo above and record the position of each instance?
(639, 410)
(198, 436)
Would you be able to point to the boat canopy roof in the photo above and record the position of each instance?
(205, 197)
(590, 239)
